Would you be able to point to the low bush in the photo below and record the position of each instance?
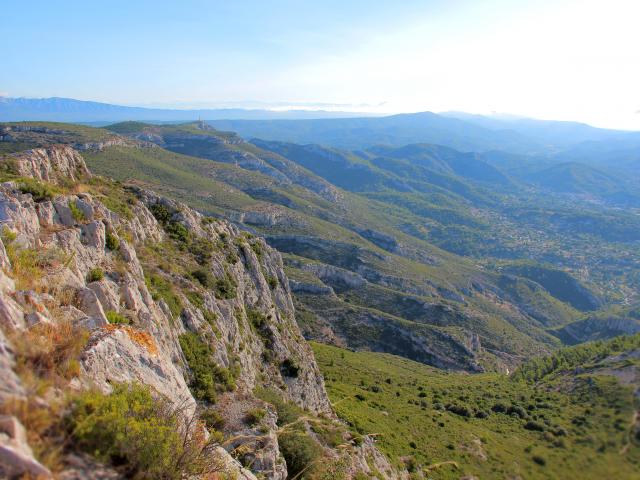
(329, 433)
(287, 412)
(289, 368)
(76, 213)
(195, 298)
(201, 248)
(534, 426)
(38, 190)
(461, 410)
(111, 241)
(139, 434)
(256, 246)
(517, 410)
(161, 213)
(212, 419)
(208, 378)
(204, 277)
(225, 287)
(255, 416)
(95, 275)
(116, 318)
(256, 318)
(272, 281)
(162, 289)
(300, 451)
(539, 460)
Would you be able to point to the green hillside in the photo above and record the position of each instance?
(390, 248)
(578, 422)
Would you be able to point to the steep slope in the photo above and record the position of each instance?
(103, 285)
(425, 275)
(601, 326)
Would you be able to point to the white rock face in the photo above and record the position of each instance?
(10, 385)
(51, 164)
(124, 355)
(16, 457)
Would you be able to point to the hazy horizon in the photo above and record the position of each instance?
(560, 60)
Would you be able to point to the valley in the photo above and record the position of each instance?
(433, 284)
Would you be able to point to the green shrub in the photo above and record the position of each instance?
(255, 416)
(161, 213)
(539, 460)
(117, 318)
(299, 450)
(196, 299)
(289, 368)
(225, 287)
(517, 410)
(212, 419)
(204, 277)
(288, 412)
(111, 241)
(499, 408)
(38, 190)
(329, 433)
(95, 275)
(137, 433)
(461, 410)
(201, 248)
(256, 246)
(76, 213)
(534, 426)
(162, 289)
(272, 281)
(208, 378)
(8, 236)
(177, 231)
(256, 318)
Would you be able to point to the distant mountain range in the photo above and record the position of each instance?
(57, 109)
(461, 131)
(350, 130)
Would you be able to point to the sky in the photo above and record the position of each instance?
(551, 59)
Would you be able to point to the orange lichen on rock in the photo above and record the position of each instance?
(139, 337)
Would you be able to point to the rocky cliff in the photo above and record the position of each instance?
(163, 297)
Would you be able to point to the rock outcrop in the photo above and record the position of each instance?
(53, 164)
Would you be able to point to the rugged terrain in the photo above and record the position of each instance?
(171, 281)
(104, 285)
(420, 251)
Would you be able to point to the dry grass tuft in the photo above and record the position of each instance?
(49, 352)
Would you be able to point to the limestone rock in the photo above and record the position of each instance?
(10, 385)
(51, 164)
(16, 457)
(89, 304)
(120, 354)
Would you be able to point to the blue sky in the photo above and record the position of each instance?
(560, 59)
